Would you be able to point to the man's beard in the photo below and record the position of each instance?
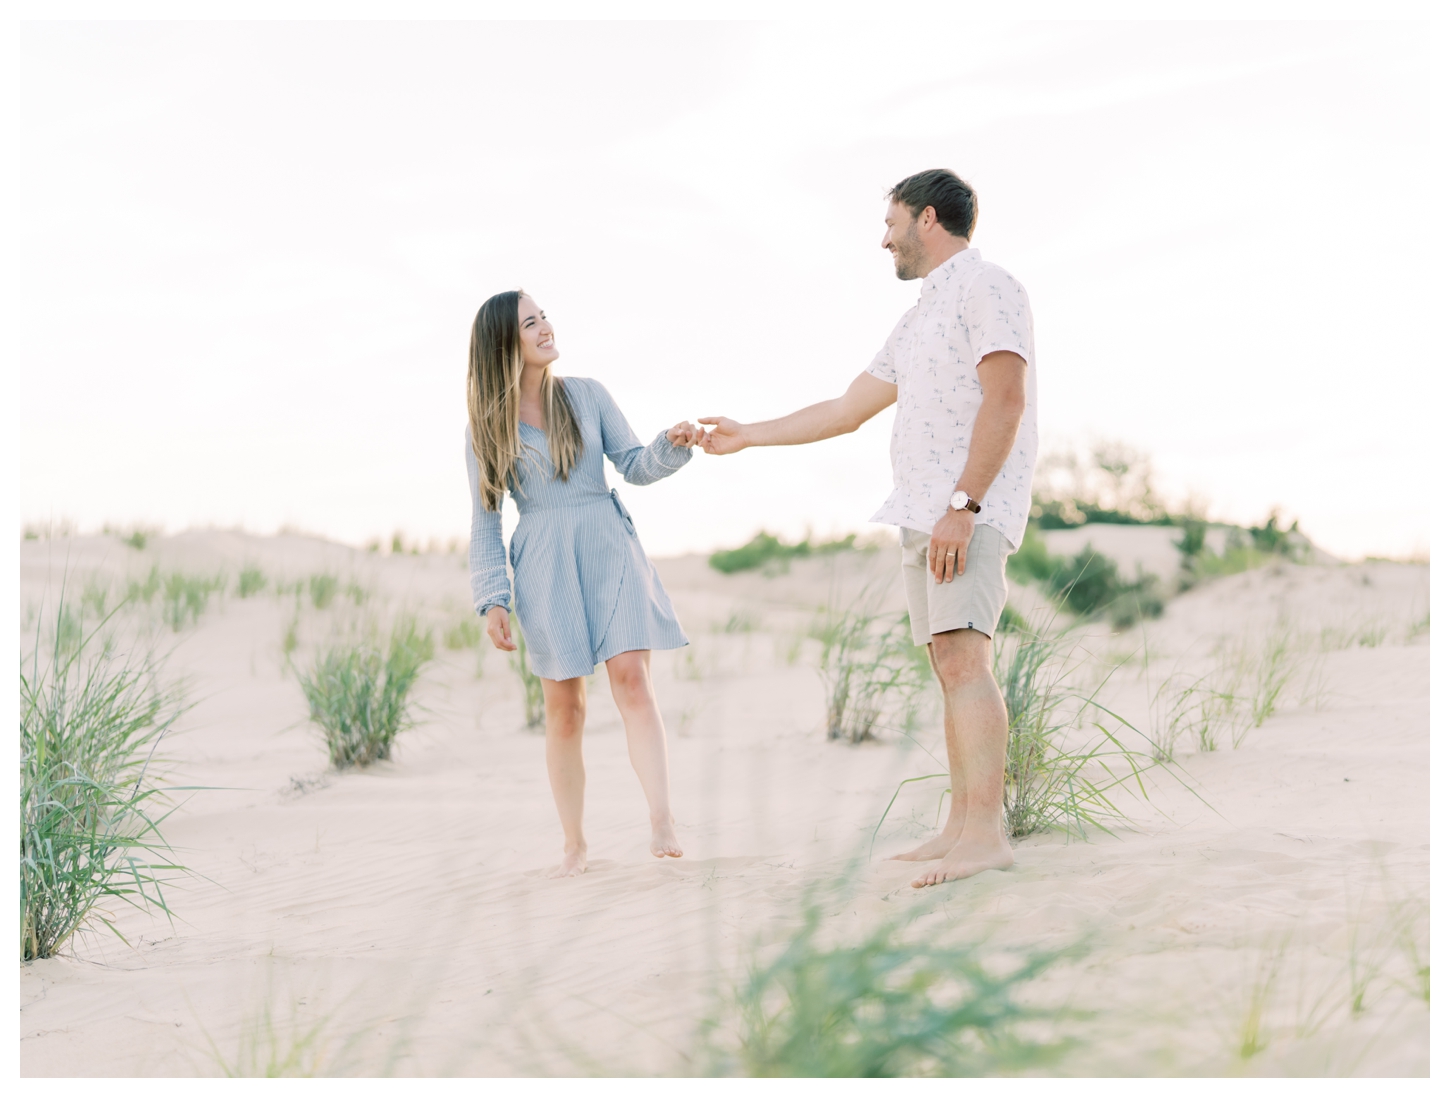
(909, 256)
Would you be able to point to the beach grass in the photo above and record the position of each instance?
(1051, 785)
(1178, 708)
(464, 634)
(868, 666)
(250, 581)
(358, 693)
(322, 588)
(144, 590)
(184, 597)
(306, 1032)
(892, 1000)
(90, 806)
(532, 687)
(1069, 757)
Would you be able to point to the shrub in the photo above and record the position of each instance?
(769, 552)
(1032, 561)
(358, 694)
(90, 722)
(1011, 621)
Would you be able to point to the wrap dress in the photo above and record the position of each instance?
(583, 589)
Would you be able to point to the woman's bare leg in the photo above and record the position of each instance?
(644, 731)
(564, 755)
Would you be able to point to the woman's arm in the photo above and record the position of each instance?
(636, 463)
(487, 561)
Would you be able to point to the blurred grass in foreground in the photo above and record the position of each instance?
(895, 999)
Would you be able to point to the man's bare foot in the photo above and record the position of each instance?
(939, 846)
(972, 855)
(662, 841)
(575, 862)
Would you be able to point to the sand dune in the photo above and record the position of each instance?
(407, 908)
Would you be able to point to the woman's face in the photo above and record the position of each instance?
(536, 334)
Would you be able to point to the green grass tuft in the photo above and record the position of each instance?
(143, 591)
(184, 598)
(358, 694)
(250, 581)
(1048, 784)
(90, 722)
(868, 665)
(322, 589)
(533, 687)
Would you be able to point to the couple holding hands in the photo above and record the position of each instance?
(960, 368)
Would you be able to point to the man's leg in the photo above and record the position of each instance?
(941, 843)
(976, 730)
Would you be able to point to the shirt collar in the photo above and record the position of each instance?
(949, 270)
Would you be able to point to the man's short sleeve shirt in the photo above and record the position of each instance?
(967, 310)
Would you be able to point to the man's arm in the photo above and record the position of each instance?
(865, 397)
(1003, 375)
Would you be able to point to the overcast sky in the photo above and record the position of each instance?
(251, 253)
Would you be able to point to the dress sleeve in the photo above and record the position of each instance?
(487, 562)
(999, 317)
(636, 463)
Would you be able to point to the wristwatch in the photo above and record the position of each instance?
(960, 501)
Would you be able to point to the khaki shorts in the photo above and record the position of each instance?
(972, 600)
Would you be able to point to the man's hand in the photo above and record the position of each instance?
(947, 556)
(685, 434)
(498, 629)
(728, 437)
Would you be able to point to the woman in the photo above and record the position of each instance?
(585, 593)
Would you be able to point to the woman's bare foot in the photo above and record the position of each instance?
(973, 854)
(662, 841)
(575, 862)
(939, 846)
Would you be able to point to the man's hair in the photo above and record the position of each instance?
(946, 192)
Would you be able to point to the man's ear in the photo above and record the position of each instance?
(928, 218)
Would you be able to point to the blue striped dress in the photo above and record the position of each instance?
(583, 589)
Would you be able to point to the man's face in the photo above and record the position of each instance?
(902, 241)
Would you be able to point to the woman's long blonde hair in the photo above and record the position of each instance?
(495, 373)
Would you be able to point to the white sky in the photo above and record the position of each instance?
(250, 255)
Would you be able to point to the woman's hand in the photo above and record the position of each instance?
(685, 434)
(498, 629)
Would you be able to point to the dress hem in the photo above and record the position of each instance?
(604, 656)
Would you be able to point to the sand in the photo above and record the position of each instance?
(399, 919)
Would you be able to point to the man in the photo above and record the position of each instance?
(960, 367)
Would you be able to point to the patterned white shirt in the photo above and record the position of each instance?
(967, 310)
